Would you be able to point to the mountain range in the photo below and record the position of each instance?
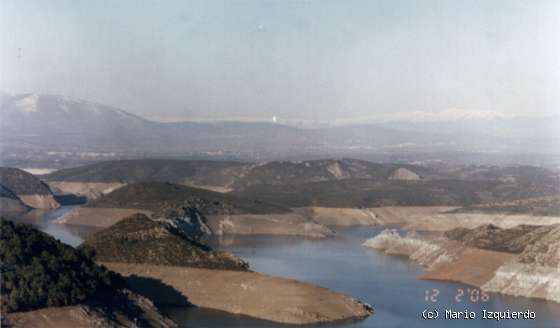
(35, 126)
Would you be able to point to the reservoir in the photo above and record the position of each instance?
(390, 284)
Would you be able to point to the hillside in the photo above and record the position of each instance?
(39, 271)
(18, 185)
(49, 284)
(286, 173)
(321, 183)
(513, 240)
(153, 196)
(22, 183)
(399, 185)
(545, 251)
(139, 239)
(543, 206)
(372, 193)
(10, 203)
(129, 171)
(534, 270)
(233, 175)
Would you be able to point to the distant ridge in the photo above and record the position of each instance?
(70, 129)
(154, 196)
(232, 175)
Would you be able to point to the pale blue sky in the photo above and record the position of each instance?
(327, 60)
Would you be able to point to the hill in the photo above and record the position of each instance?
(398, 185)
(328, 182)
(372, 193)
(49, 120)
(543, 206)
(130, 171)
(19, 185)
(49, 284)
(39, 271)
(286, 173)
(196, 213)
(234, 175)
(139, 239)
(22, 183)
(513, 240)
(154, 196)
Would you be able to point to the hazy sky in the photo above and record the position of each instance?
(312, 60)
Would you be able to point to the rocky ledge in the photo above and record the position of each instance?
(521, 261)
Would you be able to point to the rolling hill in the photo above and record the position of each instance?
(139, 239)
(154, 196)
(216, 173)
(233, 175)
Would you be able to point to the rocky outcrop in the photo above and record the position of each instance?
(512, 240)
(545, 251)
(520, 279)
(248, 293)
(521, 261)
(535, 272)
(428, 251)
(186, 219)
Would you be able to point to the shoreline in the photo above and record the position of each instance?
(491, 271)
(239, 292)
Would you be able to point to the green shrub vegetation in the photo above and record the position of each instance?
(39, 271)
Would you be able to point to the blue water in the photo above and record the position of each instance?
(44, 220)
(390, 284)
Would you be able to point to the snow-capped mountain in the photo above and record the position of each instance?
(50, 119)
(34, 106)
(37, 123)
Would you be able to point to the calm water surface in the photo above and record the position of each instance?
(390, 284)
(44, 220)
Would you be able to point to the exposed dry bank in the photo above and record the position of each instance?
(249, 293)
(92, 316)
(533, 273)
(166, 266)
